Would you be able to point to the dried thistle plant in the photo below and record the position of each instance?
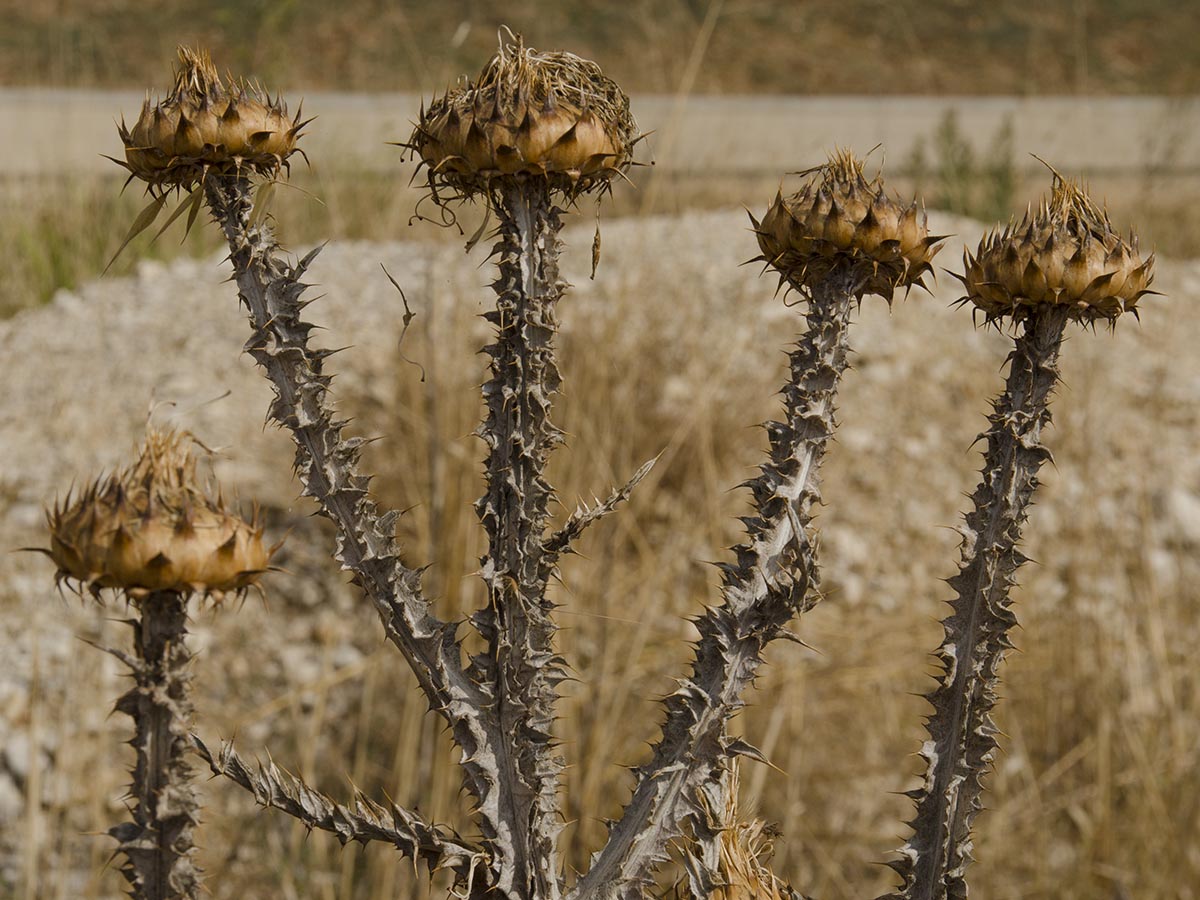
(573, 127)
(327, 464)
(152, 534)
(1061, 263)
(531, 135)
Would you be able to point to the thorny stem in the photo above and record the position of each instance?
(326, 463)
(157, 844)
(517, 623)
(365, 821)
(773, 579)
(962, 738)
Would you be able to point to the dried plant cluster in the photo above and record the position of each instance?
(529, 135)
(1043, 294)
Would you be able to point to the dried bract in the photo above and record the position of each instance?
(205, 126)
(745, 848)
(151, 527)
(529, 114)
(840, 221)
(1067, 253)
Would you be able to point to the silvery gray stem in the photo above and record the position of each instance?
(366, 821)
(521, 666)
(962, 735)
(327, 465)
(157, 843)
(774, 578)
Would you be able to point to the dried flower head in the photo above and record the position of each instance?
(1065, 253)
(839, 221)
(528, 114)
(204, 125)
(152, 527)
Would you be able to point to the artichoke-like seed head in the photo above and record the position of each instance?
(152, 527)
(840, 222)
(1067, 252)
(205, 125)
(528, 114)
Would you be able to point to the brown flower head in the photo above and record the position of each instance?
(204, 125)
(529, 114)
(1065, 253)
(151, 527)
(840, 221)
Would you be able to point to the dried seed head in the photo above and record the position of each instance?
(839, 221)
(204, 126)
(151, 527)
(1065, 253)
(529, 114)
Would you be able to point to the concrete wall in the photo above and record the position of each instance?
(50, 131)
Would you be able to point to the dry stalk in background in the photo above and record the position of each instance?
(153, 535)
(743, 852)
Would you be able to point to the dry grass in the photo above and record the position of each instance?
(672, 349)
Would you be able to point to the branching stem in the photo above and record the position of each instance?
(517, 623)
(365, 821)
(326, 463)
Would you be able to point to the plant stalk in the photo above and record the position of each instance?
(363, 821)
(157, 843)
(517, 622)
(962, 734)
(774, 578)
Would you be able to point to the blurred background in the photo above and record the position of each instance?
(673, 347)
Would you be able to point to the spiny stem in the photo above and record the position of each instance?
(521, 663)
(586, 515)
(774, 578)
(962, 738)
(157, 844)
(326, 463)
(365, 821)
